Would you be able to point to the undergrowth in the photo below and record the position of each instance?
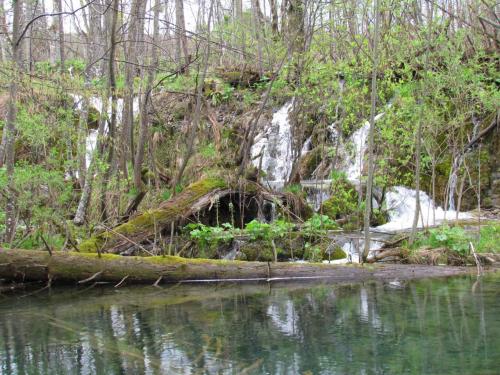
(458, 239)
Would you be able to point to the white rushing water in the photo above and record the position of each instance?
(400, 201)
(97, 103)
(355, 160)
(401, 205)
(273, 149)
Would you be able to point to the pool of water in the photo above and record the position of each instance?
(445, 326)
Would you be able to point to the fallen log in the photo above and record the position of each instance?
(82, 268)
(201, 196)
(143, 226)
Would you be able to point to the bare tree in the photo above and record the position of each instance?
(371, 157)
(182, 43)
(10, 125)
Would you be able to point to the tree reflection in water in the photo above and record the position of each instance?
(434, 326)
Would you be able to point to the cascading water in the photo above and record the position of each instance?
(354, 167)
(401, 205)
(97, 103)
(273, 150)
(400, 200)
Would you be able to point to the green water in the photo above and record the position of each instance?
(446, 326)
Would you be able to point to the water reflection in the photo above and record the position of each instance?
(426, 327)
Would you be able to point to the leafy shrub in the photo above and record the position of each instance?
(264, 231)
(488, 241)
(209, 237)
(317, 224)
(313, 253)
(455, 239)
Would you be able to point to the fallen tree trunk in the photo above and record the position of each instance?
(143, 226)
(87, 268)
(201, 196)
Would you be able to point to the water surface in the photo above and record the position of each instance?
(446, 326)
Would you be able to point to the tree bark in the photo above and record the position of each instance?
(112, 123)
(10, 126)
(371, 161)
(70, 267)
(62, 55)
(144, 128)
(182, 45)
(274, 16)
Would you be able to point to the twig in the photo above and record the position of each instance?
(127, 239)
(476, 258)
(46, 244)
(157, 282)
(121, 282)
(90, 278)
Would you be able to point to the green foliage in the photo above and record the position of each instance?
(457, 239)
(293, 188)
(489, 239)
(42, 197)
(313, 253)
(208, 151)
(209, 237)
(343, 199)
(264, 231)
(317, 225)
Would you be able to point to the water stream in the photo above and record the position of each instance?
(276, 143)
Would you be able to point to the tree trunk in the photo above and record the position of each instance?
(197, 112)
(182, 44)
(144, 129)
(62, 55)
(371, 161)
(112, 124)
(274, 16)
(10, 126)
(192, 199)
(70, 267)
(134, 35)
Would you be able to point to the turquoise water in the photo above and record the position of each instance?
(445, 326)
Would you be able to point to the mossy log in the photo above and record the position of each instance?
(143, 226)
(198, 197)
(88, 268)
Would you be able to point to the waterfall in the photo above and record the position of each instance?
(355, 160)
(273, 150)
(97, 103)
(400, 200)
(401, 205)
(306, 147)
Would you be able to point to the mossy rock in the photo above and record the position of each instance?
(338, 253)
(330, 251)
(258, 251)
(235, 77)
(343, 201)
(309, 162)
(378, 217)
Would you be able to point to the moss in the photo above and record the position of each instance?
(378, 217)
(309, 162)
(168, 211)
(343, 200)
(258, 251)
